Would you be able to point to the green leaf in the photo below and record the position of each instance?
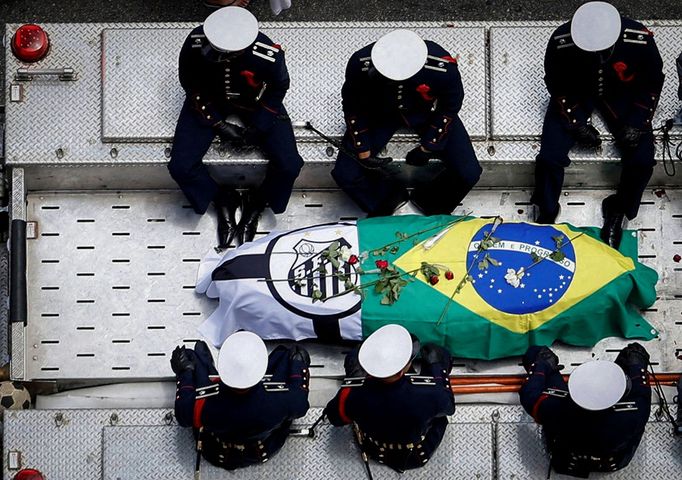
(380, 285)
(335, 263)
(395, 249)
(494, 240)
(469, 278)
(494, 262)
(535, 257)
(322, 268)
(317, 295)
(483, 264)
(385, 300)
(557, 255)
(399, 235)
(348, 284)
(333, 247)
(559, 240)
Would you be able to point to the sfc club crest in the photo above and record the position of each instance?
(296, 259)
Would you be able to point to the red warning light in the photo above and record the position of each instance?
(30, 43)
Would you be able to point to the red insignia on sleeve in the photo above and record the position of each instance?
(450, 59)
(424, 90)
(250, 78)
(620, 68)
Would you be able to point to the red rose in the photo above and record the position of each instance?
(449, 275)
(677, 258)
(433, 280)
(353, 259)
(382, 264)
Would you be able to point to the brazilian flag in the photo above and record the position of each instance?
(525, 284)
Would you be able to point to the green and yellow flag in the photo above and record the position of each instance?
(519, 284)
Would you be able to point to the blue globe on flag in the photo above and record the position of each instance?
(509, 280)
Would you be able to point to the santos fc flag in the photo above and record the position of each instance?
(482, 288)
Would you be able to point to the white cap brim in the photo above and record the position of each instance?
(595, 26)
(399, 55)
(597, 385)
(243, 360)
(386, 351)
(231, 29)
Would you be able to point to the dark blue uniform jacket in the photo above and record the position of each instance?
(256, 80)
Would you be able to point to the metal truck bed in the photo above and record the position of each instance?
(481, 442)
(111, 249)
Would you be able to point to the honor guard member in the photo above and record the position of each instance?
(595, 423)
(402, 81)
(604, 62)
(399, 419)
(227, 67)
(240, 413)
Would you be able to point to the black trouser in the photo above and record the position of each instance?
(377, 193)
(638, 165)
(192, 140)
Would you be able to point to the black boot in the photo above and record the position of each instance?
(248, 224)
(393, 202)
(226, 204)
(612, 231)
(546, 218)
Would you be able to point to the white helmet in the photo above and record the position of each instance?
(231, 29)
(597, 385)
(386, 351)
(243, 360)
(595, 26)
(399, 54)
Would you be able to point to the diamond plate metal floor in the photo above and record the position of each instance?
(482, 442)
(111, 277)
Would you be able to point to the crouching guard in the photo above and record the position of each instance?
(230, 69)
(241, 412)
(595, 423)
(399, 418)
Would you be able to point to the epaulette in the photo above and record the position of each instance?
(439, 64)
(563, 41)
(641, 37)
(555, 392)
(275, 387)
(353, 382)
(198, 40)
(421, 380)
(366, 62)
(265, 51)
(625, 407)
(207, 391)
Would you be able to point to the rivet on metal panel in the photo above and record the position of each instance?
(113, 419)
(329, 151)
(59, 419)
(113, 152)
(60, 153)
(168, 418)
(167, 152)
(491, 150)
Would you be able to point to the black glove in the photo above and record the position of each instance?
(182, 360)
(628, 137)
(230, 132)
(203, 355)
(252, 136)
(587, 136)
(299, 353)
(431, 354)
(633, 354)
(537, 354)
(417, 157)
